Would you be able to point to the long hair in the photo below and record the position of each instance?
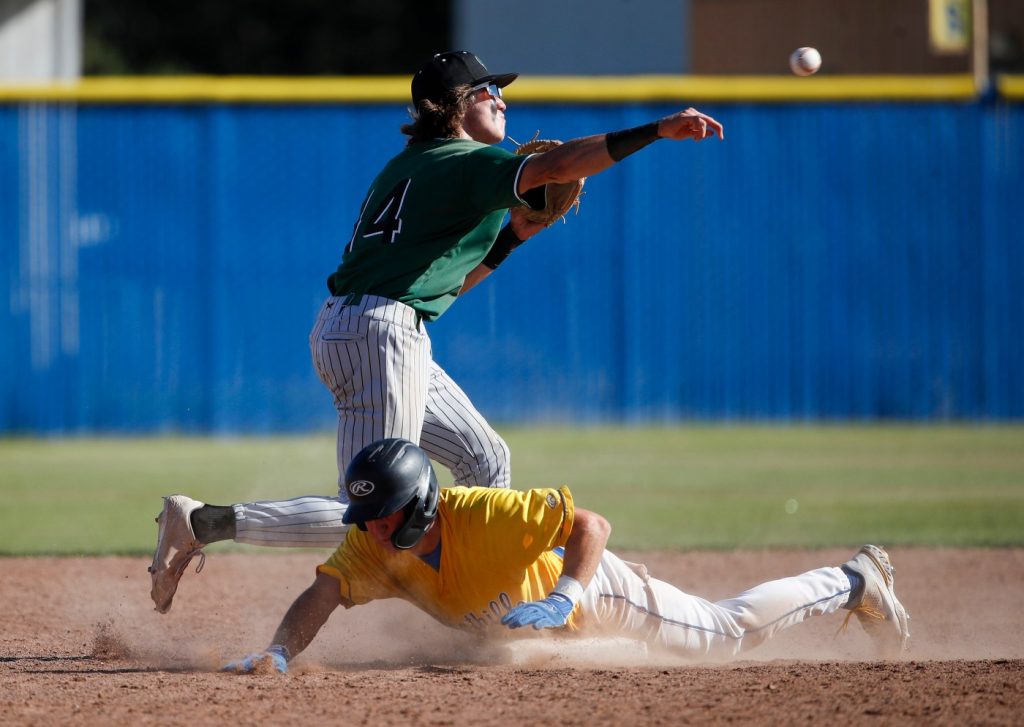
(438, 120)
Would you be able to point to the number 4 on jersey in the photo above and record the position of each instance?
(386, 220)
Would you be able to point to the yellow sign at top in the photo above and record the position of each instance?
(949, 25)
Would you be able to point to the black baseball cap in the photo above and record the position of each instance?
(445, 71)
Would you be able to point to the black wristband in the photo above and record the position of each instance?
(503, 246)
(623, 143)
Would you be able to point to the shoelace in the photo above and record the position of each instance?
(866, 610)
(188, 559)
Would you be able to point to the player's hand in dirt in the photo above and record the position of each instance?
(549, 613)
(275, 658)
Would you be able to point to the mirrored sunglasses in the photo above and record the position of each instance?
(492, 90)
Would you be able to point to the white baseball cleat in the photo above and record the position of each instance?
(879, 611)
(176, 546)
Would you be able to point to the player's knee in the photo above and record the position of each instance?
(501, 472)
(489, 468)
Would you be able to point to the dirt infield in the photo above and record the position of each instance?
(81, 644)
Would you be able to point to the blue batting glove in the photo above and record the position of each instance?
(277, 656)
(549, 613)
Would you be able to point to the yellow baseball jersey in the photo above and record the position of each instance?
(496, 551)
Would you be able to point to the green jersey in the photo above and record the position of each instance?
(430, 217)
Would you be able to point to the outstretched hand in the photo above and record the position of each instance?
(689, 124)
(548, 613)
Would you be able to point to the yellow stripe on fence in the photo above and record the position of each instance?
(540, 89)
(224, 89)
(1011, 87)
(741, 88)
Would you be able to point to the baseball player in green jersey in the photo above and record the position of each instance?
(491, 560)
(429, 230)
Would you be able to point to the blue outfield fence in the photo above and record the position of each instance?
(162, 264)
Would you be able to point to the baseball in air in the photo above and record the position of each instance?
(805, 61)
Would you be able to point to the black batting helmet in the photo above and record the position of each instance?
(388, 476)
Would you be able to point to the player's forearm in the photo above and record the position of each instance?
(583, 157)
(583, 551)
(476, 275)
(307, 615)
(590, 155)
(586, 156)
(585, 546)
(515, 233)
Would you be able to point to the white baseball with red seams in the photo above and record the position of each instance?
(805, 61)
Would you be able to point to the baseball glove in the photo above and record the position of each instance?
(558, 198)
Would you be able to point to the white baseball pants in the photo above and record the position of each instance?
(623, 600)
(375, 357)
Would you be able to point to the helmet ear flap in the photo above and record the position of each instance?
(429, 509)
(420, 514)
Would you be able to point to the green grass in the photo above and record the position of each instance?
(687, 487)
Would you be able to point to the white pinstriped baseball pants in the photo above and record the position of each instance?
(623, 600)
(375, 357)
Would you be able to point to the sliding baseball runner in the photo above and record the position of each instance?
(487, 560)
